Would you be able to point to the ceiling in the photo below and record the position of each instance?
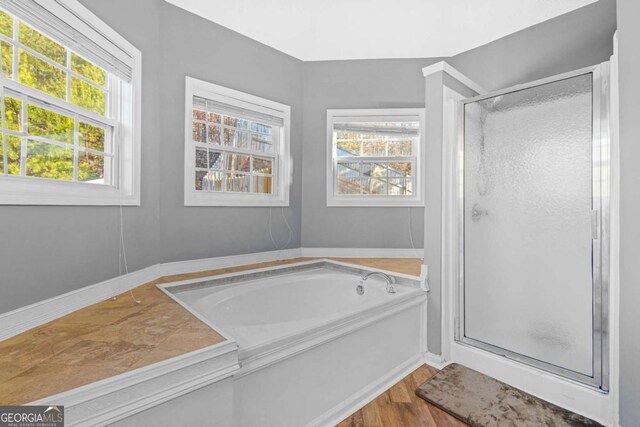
(314, 30)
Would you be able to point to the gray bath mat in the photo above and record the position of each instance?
(481, 401)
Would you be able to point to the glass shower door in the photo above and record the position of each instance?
(530, 271)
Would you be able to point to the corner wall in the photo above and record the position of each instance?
(629, 75)
(46, 251)
(193, 46)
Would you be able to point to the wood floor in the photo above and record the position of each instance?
(118, 335)
(400, 407)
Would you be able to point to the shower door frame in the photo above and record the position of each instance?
(600, 230)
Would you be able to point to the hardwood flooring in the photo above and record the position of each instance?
(118, 335)
(400, 407)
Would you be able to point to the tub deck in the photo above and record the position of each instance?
(117, 336)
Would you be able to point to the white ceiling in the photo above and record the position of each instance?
(314, 30)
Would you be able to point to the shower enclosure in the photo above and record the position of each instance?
(533, 208)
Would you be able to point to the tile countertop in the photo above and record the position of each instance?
(118, 335)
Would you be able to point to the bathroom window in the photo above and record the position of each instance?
(69, 107)
(236, 148)
(373, 157)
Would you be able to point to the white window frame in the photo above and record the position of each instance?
(377, 114)
(281, 165)
(125, 118)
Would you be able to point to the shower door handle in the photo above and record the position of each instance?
(595, 229)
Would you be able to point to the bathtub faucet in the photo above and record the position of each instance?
(390, 280)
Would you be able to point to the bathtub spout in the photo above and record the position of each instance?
(390, 280)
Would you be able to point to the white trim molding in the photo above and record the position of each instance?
(115, 398)
(22, 319)
(444, 66)
(354, 118)
(417, 253)
(33, 315)
(356, 402)
(81, 33)
(263, 113)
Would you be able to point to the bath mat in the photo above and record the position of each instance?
(482, 401)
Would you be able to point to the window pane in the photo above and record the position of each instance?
(41, 75)
(237, 162)
(348, 170)
(262, 184)
(377, 169)
(235, 122)
(374, 186)
(49, 161)
(199, 132)
(42, 44)
(348, 185)
(13, 113)
(216, 160)
(209, 181)
(88, 70)
(400, 148)
(7, 58)
(6, 24)
(13, 154)
(213, 136)
(1, 158)
(87, 96)
(262, 142)
(400, 187)
(238, 183)
(235, 138)
(261, 165)
(91, 168)
(348, 148)
(259, 127)
(201, 158)
(214, 118)
(399, 169)
(201, 180)
(199, 114)
(46, 123)
(373, 148)
(91, 137)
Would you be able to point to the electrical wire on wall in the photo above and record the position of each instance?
(284, 218)
(122, 250)
(413, 246)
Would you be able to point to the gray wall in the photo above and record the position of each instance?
(199, 48)
(354, 84)
(571, 41)
(629, 72)
(49, 250)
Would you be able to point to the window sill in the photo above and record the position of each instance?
(373, 202)
(237, 200)
(21, 191)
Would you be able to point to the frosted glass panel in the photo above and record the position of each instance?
(527, 223)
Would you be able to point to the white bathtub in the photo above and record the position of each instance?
(311, 349)
(262, 310)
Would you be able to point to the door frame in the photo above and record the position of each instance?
(600, 242)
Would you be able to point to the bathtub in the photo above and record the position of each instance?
(304, 324)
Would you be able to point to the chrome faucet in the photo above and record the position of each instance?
(390, 280)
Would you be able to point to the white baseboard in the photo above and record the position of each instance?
(362, 252)
(435, 360)
(204, 264)
(338, 413)
(30, 316)
(25, 318)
